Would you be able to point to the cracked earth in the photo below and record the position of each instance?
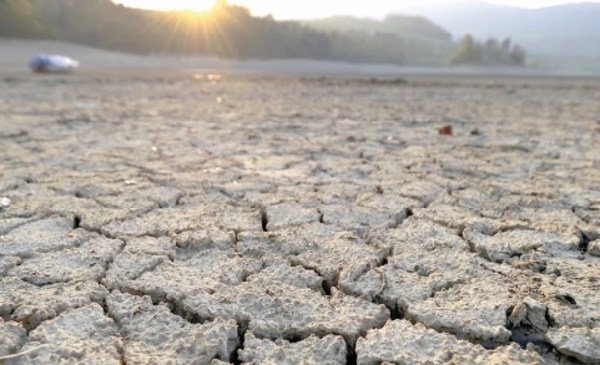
(167, 218)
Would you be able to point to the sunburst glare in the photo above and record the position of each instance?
(195, 5)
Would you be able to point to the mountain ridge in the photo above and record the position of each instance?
(565, 36)
(486, 20)
(417, 27)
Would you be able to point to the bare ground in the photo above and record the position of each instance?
(177, 216)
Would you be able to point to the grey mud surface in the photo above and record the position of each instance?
(173, 218)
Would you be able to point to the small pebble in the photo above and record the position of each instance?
(4, 203)
(446, 130)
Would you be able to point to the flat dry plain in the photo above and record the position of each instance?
(186, 218)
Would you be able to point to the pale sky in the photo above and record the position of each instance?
(282, 9)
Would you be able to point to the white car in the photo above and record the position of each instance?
(53, 63)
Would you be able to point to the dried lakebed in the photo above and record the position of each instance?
(184, 219)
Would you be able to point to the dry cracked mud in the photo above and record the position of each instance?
(168, 218)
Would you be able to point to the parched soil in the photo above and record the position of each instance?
(193, 218)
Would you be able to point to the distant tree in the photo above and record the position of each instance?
(491, 52)
(469, 51)
(518, 55)
(18, 18)
(506, 45)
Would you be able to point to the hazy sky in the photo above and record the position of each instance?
(282, 9)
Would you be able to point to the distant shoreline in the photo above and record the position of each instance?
(17, 52)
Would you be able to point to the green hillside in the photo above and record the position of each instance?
(410, 27)
(227, 31)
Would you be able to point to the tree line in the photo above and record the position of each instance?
(18, 18)
(225, 30)
(228, 31)
(492, 52)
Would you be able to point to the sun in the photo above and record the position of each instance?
(195, 5)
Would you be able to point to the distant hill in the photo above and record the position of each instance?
(231, 31)
(425, 42)
(485, 19)
(565, 36)
(227, 31)
(412, 27)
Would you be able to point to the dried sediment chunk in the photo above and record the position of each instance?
(219, 362)
(41, 236)
(29, 200)
(87, 262)
(459, 218)
(278, 270)
(425, 258)
(197, 196)
(168, 221)
(159, 246)
(91, 215)
(238, 219)
(358, 218)
(272, 309)
(332, 258)
(145, 254)
(205, 238)
(90, 184)
(7, 263)
(482, 200)
(392, 203)
(7, 224)
(165, 197)
(590, 214)
(530, 313)
(594, 248)
(289, 215)
(433, 278)
(547, 218)
(420, 345)
(237, 189)
(202, 271)
(128, 266)
(419, 236)
(128, 201)
(155, 335)
(79, 336)
(453, 311)
(12, 337)
(302, 193)
(329, 350)
(509, 246)
(423, 191)
(335, 191)
(404, 281)
(30, 305)
(326, 249)
(580, 343)
(140, 254)
(507, 355)
(159, 222)
(288, 242)
(571, 294)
